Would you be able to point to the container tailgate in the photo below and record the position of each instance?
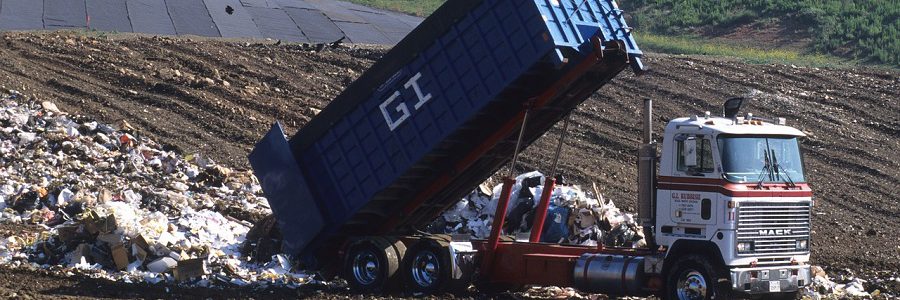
(287, 191)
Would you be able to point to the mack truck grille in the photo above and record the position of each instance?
(773, 228)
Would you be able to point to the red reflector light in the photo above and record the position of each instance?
(795, 272)
(754, 274)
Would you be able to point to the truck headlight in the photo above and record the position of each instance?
(802, 245)
(745, 246)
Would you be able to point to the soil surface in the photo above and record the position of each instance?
(218, 98)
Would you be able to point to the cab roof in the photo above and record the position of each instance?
(719, 125)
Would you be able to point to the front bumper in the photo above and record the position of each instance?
(774, 279)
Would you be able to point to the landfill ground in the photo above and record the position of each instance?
(219, 97)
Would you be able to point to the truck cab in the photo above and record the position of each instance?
(733, 190)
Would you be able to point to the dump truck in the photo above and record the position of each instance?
(725, 208)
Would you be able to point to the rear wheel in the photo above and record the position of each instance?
(427, 269)
(371, 266)
(694, 277)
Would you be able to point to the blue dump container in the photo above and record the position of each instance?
(435, 116)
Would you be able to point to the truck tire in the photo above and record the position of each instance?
(428, 270)
(371, 265)
(694, 277)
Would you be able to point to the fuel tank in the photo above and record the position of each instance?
(610, 274)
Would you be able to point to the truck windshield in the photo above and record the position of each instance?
(744, 159)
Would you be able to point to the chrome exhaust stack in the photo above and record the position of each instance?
(647, 156)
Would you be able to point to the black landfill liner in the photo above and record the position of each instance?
(295, 4)
(360, 8)
(336, 12)
(108, 15)
(387, 25)
(412, 21)
(232, 19)
(21, 15)
(150, 16)
(363, 33)
(260, 3)
(191, 17)
(317, 27)
(276, 24)
(385, 22)
(60, 14)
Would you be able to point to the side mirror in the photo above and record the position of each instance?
(690, 152)
(732, 107)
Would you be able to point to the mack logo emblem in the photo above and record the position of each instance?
(775, 232)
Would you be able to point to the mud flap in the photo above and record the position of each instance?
(287, 191)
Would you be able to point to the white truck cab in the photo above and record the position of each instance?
(735, 189)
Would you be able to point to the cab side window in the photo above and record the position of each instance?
(696, 159)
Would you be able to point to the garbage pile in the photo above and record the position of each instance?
(572, 218)
(825, 287)
(116, 205)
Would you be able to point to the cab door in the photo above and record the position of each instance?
(690, 193)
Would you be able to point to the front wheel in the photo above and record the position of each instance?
(694, 277)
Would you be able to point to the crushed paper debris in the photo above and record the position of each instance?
(844, 287)
(116, 205)
(573, 216)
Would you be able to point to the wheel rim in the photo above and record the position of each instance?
(691, 286)
(365, 267)
(426, 269)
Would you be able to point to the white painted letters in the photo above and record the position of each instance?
(402, 107)
(414, 83)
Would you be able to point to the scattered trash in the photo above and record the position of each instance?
(115, 205)
(572, 218)
(824, 287)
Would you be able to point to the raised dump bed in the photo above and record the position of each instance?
(438, 114)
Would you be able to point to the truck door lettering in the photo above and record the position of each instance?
(401, 107)
(393, 124)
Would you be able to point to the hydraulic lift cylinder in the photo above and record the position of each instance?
(497, 226)
(541, 215)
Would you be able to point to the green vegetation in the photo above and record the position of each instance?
(414, 7)
(692, 45)
(867, 30)
(860, 30)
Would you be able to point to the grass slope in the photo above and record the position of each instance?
(693, 45)
(861, 30)
(866, 30)
(420, 8)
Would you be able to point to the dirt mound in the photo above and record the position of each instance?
(218, 98)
